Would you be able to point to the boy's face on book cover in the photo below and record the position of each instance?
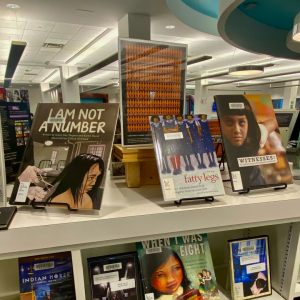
(235, 128)
(168, 277)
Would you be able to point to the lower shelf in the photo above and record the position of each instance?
(297, 290)
(225, 295)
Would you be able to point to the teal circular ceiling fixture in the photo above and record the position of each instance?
(201, 15)
(260, 26)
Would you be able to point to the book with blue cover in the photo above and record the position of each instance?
(48, 276)
(250, 268)
(178, 268)
(186, 157)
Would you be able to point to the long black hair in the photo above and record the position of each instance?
(253, 134)
(151, 262)
(73, 175)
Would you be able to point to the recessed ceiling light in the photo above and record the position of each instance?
(30, 84)
(251, 5)
(170, 26)
(13, 6)
(246, 70)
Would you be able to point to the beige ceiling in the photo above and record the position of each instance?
(75, 24)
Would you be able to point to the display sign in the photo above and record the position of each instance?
(152, 82)
(15, 121)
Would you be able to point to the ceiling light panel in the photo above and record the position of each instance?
(41, 34)
(60, 36)
(39, 25)
(12, 24)
(11, 31)
(66, 28)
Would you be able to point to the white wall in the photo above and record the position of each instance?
(35, 97)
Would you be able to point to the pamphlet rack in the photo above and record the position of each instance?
(42, 205)
(209, 199)
(280, 186)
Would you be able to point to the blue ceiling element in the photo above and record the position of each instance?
(276, 13)
(260, 26)
(207, 7)
(201, 15)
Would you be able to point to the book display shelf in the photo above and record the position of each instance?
(131, 215)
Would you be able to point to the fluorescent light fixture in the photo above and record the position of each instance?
(51, 77)
(15, 54)
(296, 28)
(13, 6)
(198, 59)
(246, 70)
(101, 40)
(170, 26)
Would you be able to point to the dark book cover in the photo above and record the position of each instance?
(250, 268)
(67, 155)
(6, 216)
(186, 158)
(114, 277)
(178, 268)
(48, 276)
(254, 151)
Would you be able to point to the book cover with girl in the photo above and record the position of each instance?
(177, 268)
(185, 156)
(67, 154)
(253, 146)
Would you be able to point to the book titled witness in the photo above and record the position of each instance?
(254, 151)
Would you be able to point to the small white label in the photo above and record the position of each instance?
(239, 290)
(149, 296)
(56, 120)
(256, 268)
(250, 259)
(153, 250)
(173, 136)
(236, 105)
(22, 192)
(257, 160)
(122, 285)
(112, 267)
(169, 188)
(247, 249)
(44, 266)
(107, 277)
(237, 180)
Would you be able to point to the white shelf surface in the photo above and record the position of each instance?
(297, 290)
(134, 214)
(224, 295)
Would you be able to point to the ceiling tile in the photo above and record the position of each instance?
(90, 32)
(56, 41)
(39, 25)
(35, 33)
(75, 45)
(12, 24)
(11, 17)
(61, 36)
(64, 55)
(66, 28)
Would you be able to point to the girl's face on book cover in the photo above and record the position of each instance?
(168, 277)
(90, 178)
(235, 129)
